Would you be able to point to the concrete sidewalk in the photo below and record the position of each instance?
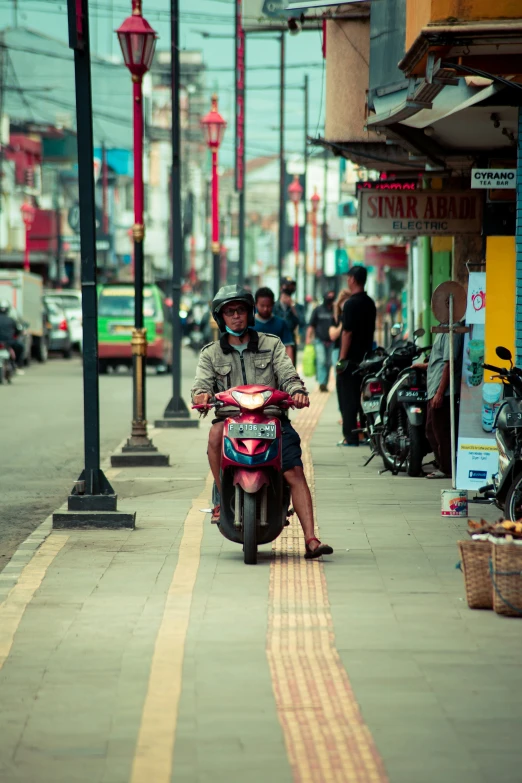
(156, 655)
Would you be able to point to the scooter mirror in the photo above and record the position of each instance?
(419, 332)
(395, 330)
(503, 353)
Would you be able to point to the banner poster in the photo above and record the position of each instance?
(477, 455)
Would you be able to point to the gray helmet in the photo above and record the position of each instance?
(5, 306)
(232, 293)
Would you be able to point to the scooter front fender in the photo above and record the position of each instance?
(251, 481)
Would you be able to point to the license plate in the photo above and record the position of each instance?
(370, 406)
(514, 419)
(406, 395)
(267, 431)
(121, 329)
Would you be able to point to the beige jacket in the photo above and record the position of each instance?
(264, 361)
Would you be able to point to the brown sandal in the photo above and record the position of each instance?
(216, 515)
(322, 549)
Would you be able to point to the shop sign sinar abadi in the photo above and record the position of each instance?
(423, 212)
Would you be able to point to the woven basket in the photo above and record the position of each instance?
(506, 576)
(475, 557)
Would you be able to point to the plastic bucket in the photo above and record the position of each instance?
(454, 502)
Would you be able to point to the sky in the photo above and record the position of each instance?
(303, 55)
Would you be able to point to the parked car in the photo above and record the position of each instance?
(116, 322)
(71, 301)
(60, 339)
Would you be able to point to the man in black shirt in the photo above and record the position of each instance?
(358, 320)
(318, 331)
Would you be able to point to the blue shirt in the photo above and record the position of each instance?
(277, 326)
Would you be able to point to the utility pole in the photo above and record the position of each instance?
(305, 199)
(176, 413)
(282, 168)
(240, 62)
(324, 233)
(92, 502)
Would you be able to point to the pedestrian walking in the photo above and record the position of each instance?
(290, 311)
(318, 333)
(438, 382)
(358, 328)
(268, 323)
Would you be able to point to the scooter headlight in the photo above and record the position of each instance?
(251, 401)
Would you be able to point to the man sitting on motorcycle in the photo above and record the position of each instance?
(9, 333)
(243, 356)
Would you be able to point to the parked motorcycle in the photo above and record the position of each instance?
(401, 424)
(506, 489)
(7, 363)
(372, 390)
(254, 496)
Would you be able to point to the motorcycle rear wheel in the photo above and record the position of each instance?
(249, 528)
(416, 452)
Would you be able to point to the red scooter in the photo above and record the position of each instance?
(254, 495)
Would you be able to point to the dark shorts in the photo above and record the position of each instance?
(291, 447)
(291, 451)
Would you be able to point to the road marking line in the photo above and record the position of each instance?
(154, 754)
(325, 735)
(13, 608)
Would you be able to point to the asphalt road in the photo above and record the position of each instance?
(41, 437)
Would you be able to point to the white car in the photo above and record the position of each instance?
(71, 301)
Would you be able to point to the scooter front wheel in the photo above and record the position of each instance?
(249, 529)
(513, 505)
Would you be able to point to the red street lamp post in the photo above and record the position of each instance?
(28, 214)
(214, 126)
(314, 202)
(295, 194)
(138, 42)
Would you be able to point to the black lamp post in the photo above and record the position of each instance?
(92, 502)
(176, 413)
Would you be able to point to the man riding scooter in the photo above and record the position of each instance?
(244, 356)
(9, 332)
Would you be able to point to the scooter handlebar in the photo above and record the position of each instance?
(492, 368)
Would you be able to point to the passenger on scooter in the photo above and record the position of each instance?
(9, 331)
(243, 356)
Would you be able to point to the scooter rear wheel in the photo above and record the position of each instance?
(249, 529)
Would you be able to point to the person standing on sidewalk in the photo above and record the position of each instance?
(318, 333)
(335, 332)
(438, 419)
(268, 323)
(358, 321)
(291, 312)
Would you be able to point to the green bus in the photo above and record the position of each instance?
(116, 322)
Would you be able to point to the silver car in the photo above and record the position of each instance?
(71, 301)
(59, 332)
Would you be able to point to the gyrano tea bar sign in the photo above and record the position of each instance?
(494, 179)
(423, 212)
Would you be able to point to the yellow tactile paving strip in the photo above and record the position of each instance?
(325, 735)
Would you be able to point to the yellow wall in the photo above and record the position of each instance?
(466, 10)
(500, 297)
(419, 13)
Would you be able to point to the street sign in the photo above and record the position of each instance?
(486, 179)
(419, 213)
